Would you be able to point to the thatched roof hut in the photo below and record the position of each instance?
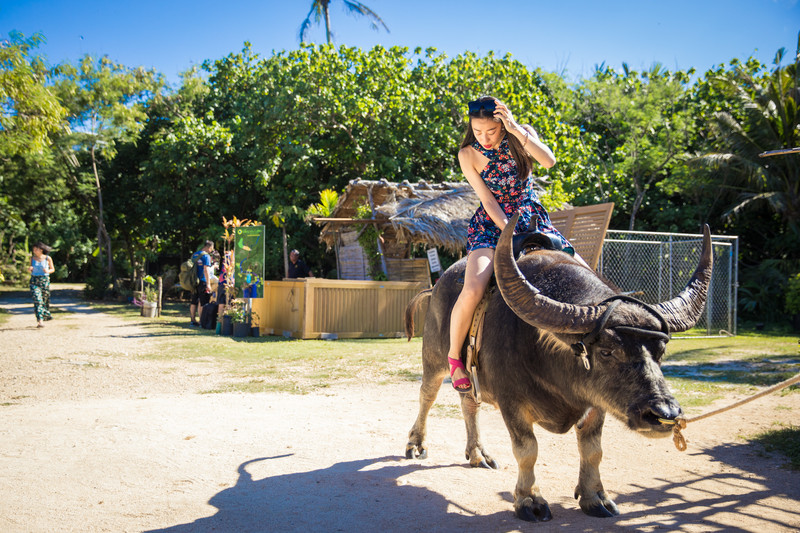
(436, 214)
(433, 214)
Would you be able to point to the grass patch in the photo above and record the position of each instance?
(785, 441)
(273, 363)
(260, 385)
(446, 410)
(701, 371)
(4, 316)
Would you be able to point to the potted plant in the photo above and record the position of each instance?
(793, 300)
(241, 318)
(149, 297)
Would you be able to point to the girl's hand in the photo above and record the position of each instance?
(502, 112)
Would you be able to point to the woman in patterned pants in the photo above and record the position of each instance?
(40, 268)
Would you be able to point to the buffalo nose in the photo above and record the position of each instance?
(668, 409)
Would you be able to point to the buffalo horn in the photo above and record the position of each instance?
(531, 305)
(683, 311)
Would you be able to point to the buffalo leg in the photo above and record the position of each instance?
(475, 453)
(590, 493)
(431, 383)
(528, 501)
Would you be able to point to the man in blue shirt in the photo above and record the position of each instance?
(202, 292)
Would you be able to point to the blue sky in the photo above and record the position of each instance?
(566, 36)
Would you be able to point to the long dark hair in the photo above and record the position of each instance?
(521, 158)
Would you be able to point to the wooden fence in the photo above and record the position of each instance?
(314, 308)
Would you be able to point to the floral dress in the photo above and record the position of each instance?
(513, 195)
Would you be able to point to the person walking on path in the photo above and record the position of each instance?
(496, 157)
(40, 268)
(202, 292)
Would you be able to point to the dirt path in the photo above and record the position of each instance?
(93, 438)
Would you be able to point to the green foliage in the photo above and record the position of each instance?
(99, 285)
(150, 289)
(762, 286)
(239, 313)
(793, 295)
(785, 440)
(368, 239)
(641, 126)
(29, 111)
(327, 203)
(105, 104)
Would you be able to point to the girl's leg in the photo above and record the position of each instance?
(38, 300)
(477, 276)
(46, 299)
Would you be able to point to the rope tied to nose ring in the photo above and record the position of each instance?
(680, 422)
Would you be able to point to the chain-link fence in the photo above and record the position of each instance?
(655, 267)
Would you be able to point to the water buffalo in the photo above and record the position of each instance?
(561, 348)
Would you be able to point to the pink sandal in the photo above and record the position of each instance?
(456, 363)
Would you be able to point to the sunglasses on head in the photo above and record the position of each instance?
(476, 106)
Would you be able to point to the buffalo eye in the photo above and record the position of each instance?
(606, 353)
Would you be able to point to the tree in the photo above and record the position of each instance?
(320, 10)
(30, 116)
(105, 102)
(769, 120)
(640, 124)
(758, 198)
(318, 117)
(29, 111)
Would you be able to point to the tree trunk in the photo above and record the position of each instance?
(637, 203)
(327, 13)
(285, 253)
(102, 233)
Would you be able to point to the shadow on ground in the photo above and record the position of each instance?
(360, 495)
(370, 495)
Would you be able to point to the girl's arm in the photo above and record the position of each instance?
(530, 142)
(50, 267)
(466, 158)
(526, 135)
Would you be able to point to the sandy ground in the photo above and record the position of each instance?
(93, 438)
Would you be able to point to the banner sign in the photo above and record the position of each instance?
(249, 260)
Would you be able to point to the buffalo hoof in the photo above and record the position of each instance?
(481, 460)
(490, 463)
(533, 510)
(416, 452)
(600, 506)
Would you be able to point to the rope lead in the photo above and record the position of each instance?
(680, 422)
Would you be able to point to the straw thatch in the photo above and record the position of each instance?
(438, 218)
(435, 214)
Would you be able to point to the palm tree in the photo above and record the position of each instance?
(761, 191)
(320, 10)
(768, 119)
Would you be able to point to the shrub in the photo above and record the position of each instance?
(793, 295)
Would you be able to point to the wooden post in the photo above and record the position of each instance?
(285, 252)
(160, 290)
(380, 244)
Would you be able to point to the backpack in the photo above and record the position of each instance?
(208, 316)
(188, 275)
